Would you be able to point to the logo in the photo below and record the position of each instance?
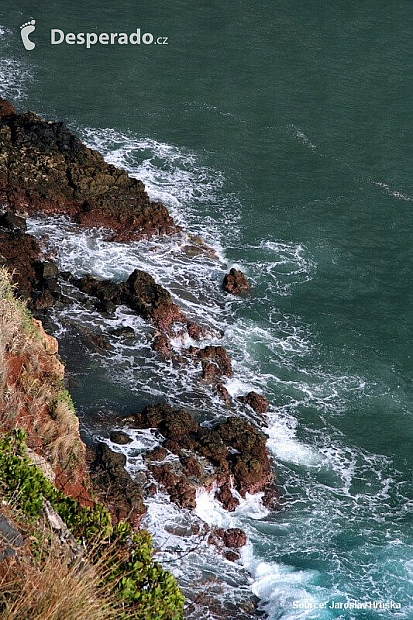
(89, 39)
(25, 32)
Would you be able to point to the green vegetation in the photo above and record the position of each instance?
(43, 582)
(146, 590)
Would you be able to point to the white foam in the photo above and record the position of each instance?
(392, 192)
(299, 135)
(175, 176)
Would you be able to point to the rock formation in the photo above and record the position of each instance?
(44, 167)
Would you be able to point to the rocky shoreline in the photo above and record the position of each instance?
(46, 169)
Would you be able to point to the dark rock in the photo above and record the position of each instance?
(152, 301)
(121, 494)
(235, 282)
(119, 437)
(7, 109)
(123, 332)
(255, 401)
(46, 168)
(232, 556)
(20, 252)
(49, 270)
(10, 538)
(143, 295)
(232, 454)
(11, 220)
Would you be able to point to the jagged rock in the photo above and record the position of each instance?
(10, 538)
(152, 301)
(162, 345)
(65, 536)
(235, 282)
(232, 454)
(215, 362)
(123, 332)
(226, 498)
(256, 401)
(121, 494)
(144, 296)
(48, 270)
(44, 167)
(35, 281)
(233, 537)
(224, 394)
(19, 252)
(119, 437)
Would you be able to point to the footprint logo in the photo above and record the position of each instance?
(25, 31)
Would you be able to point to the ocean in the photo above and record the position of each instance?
(281, 133)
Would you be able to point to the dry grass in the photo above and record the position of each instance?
(31, 390)
(50, 587)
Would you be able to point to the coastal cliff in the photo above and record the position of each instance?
(45, 169)
(48, 505)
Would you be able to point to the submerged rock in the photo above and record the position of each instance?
(235, 282)
(44, 167)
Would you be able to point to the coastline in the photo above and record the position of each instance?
(56, 174)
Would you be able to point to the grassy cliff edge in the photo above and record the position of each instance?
(66, 559)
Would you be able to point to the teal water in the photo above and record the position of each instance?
(281, 132)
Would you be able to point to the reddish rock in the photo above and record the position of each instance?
(215, 362)
(235, 282)
(224, 394)
(226, 498)
(6, 108)
(232, 454)
(157, 454)
(234, 537)
(144, 296)
(255, 401)
(177, 486)
(162, 345)
(44, 167)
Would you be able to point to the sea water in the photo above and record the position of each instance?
(279, 133)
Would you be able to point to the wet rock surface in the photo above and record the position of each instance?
(121, 495)
(256, 401)
(144, 296)
(36, 280)
(235, 282)
(231, 455)
(7, 109)
(44, 167)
